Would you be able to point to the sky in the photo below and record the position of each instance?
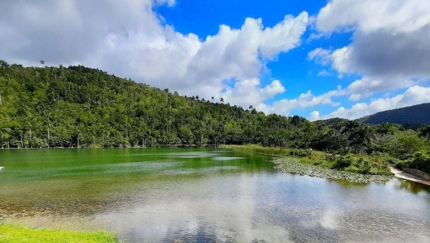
(317, 59)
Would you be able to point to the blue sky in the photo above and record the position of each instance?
(317, 59)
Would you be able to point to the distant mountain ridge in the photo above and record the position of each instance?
(416, 115)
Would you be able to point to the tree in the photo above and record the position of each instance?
(424, 132)
(78, 106)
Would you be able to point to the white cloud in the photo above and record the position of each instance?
(320, 55)
(389, 48)
(248, 92)
(374, 15)
(314, 115)
(324, 73)
(413, 95)
(305, 100)
(168, 2)
(316, 36)
(279, 38)
(362, 88)
(130, 40)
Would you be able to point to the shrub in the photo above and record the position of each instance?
(342, 162)
(306, 161)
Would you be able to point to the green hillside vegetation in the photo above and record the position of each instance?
(412, 115)
(46, 107)
(331, 121)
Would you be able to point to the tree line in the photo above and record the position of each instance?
(76, 106)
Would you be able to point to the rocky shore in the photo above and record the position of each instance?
(293, 166)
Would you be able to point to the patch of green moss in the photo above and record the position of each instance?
(17, 234)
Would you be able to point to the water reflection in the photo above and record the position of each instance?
(413, 187)
(194, 195)
(205, 210)
(226, 158)
(272, 208)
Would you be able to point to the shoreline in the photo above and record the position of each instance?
(290, 161)
(293, 166)
(407, 176)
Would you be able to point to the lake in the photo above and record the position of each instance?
(203, 195)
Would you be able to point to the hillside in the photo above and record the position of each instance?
(413, 115)
(45, 107)
(83, 107)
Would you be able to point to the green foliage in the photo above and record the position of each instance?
(46, 107)
(419, 160)
(363, 164)
(12, 234)
(341, 162)
(400, 144)
(424, 132)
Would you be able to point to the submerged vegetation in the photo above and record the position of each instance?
(45, 107)
(18, 234)
(294, 166)
(350, 167)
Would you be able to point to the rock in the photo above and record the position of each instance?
(293, 166)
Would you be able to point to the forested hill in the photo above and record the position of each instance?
(79, 106)
(413, 115)
(45, 107)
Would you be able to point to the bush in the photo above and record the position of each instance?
(419, 160)
(342, 162)
(300, 152)
(306, 161)
(406, 142)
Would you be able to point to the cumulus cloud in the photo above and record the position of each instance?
(389, 49)
(129, 39)
(314, 115)
(373, 15)
(364, 87)
(305, 100)
(413, 95)
(248, 92)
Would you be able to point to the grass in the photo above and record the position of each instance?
(18, 234)
(356, 163)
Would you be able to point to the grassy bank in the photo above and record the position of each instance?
(350, 167)
(356, 163)
(17, 234)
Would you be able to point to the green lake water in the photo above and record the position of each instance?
(206, 195)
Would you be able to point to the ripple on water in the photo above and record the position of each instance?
(192, 155)
(203, 200)
(223, 158)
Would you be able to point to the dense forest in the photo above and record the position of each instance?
(45, 107)
(409, 116)
(84, 107)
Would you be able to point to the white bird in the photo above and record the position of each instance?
(1, 168)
